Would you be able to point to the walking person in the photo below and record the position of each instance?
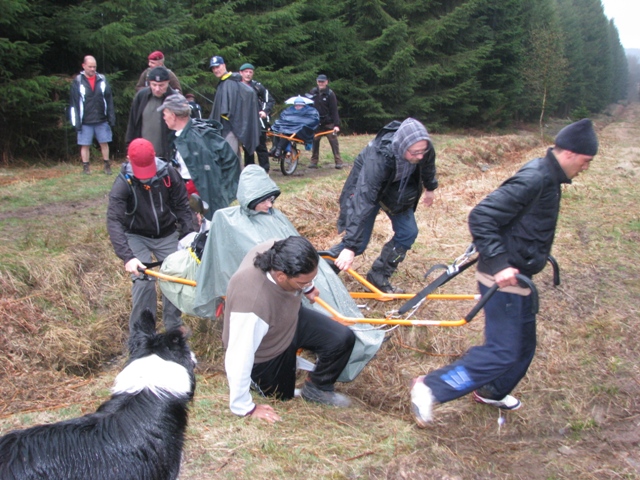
(92, 112)
(206, 162)
(145, 120)
(513, 230)
(234, 106)
(325, 101)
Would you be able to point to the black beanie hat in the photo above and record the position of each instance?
(158, 74)
(253, 203)
(579, 137)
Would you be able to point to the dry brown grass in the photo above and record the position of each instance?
(67, 316)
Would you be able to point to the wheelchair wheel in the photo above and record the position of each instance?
(289, 160)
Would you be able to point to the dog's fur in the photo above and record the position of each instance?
(137, 434)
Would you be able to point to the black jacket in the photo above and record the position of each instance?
(91, 106)
(370, 184)
(515, 225)
(267, 102)
(326, 103)
(149, 212)
(134, 127)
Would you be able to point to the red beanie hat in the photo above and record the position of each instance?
(142, 158)
(157, 55)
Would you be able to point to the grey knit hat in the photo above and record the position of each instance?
(177, 104)
(579, 137)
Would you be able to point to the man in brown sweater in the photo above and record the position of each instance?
(265, 324)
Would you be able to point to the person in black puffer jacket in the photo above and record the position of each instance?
(388, 174)
(146, 200)
(513, 230)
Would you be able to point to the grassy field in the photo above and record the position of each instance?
(64, 301)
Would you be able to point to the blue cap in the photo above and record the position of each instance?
(215, 61)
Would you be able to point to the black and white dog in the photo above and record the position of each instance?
(137, 434)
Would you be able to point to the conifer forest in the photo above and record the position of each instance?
(481, 64)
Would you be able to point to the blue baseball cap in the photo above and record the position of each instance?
(215, 61)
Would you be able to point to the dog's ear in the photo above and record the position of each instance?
(143, 329)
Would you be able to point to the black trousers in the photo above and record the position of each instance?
(332, 343)
(261, 150)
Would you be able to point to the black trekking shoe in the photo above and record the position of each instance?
(382, 283)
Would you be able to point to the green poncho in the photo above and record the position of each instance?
(235, 230)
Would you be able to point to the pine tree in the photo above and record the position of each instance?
(31, 105)
(545, 69)
(620, 68)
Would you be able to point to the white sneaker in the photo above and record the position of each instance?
(507, 403)
(421, 402)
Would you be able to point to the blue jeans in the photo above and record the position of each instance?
(102, 132)
(498, 365)
(405, 230)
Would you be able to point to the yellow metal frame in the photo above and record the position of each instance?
(293, 138)
(375, 294)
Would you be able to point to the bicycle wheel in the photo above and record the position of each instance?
(289, 160)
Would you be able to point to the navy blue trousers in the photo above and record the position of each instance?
(497, 366)
(405, 230)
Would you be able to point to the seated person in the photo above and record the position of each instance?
(236, 230)
(300, 119)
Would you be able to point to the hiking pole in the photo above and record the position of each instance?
(451, 271)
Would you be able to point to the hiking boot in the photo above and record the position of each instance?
(339, 166)
(509, 402)
(421, 402)
(382, 283)
(85, 168)
(311, 393)
(107, 167)
(385, 265)
(313, 165)
(278, 152)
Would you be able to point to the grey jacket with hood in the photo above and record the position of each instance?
(236, 230)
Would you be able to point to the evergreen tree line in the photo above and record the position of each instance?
(449, 63)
